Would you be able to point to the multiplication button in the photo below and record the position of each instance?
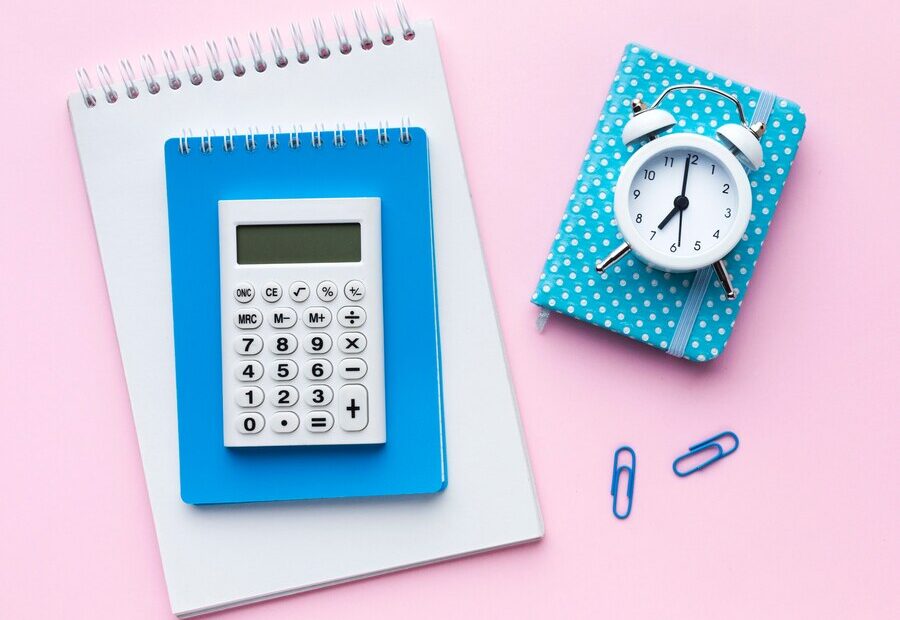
(351, 316)
(352, 342)
(354, 290)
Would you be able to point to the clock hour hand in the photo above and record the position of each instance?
(681, 203)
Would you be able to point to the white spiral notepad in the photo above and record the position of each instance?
(220, 556)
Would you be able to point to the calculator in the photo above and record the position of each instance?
(302, 322)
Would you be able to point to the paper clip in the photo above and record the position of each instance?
(708, 444)
(617, 473)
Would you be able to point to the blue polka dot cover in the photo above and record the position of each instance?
(669, 311)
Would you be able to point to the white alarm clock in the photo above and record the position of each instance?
(683, 201)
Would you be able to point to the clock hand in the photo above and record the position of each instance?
(681, 203)
(680, 217)
(687, 168)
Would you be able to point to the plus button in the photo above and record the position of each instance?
(353, 408)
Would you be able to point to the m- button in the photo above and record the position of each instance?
(283, 318)
(251, 318)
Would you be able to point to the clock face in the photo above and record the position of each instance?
(687, 202)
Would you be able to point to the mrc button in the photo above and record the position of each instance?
(251, 318)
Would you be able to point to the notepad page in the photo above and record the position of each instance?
(221, 556)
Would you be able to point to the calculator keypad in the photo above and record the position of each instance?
(315, 380)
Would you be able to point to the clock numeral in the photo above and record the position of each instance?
(649, 174)
(728, 212)
(669, 161)
(652, 234)
(713, 168)
(696, 246)
(639, 218)
(725, 188)
(636, 193)
(694, 159)
(716, 234)
(673, 248)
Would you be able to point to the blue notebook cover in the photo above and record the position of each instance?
(413, 460)
(684, 314)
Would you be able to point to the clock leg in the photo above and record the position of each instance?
(725, 279)
(619, 252)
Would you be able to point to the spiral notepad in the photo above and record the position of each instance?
(215, 556)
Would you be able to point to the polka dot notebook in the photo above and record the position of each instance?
(685, 314)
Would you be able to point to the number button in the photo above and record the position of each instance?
(285, 422)
(352, 342)
(317, 316)
(283, 318)
(285, 396)
(351, 316)
(244, 292)
(317, 395)
(251, 318)
(354, 290)
(326, 290)
(249, 397)
(318, 421)
(317, 343)
(299, 291)
(248, 345)
(250, 423)
(317, 369)
(284, 370)
(283, 345)
(271, 292)
(353, 408)
(352, 369)
(248, 371)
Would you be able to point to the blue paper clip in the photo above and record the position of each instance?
(707, 444)
(617, 473)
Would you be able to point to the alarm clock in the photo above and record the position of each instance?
(683, 201)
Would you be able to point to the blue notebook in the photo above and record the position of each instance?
(685, 314)
(200, 173)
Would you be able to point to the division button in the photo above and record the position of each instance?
(351, 316)
(352, 369)
(299, 291)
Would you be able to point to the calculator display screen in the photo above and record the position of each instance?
(272, 244)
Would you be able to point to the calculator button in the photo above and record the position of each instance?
(354, 290)
(284, 370)
(316, 369)
(352, 369)
(326, 290)
(351, 316)
(248, 371)
(317, 395)
(284, 396)
(283, 344)
(299, 291)
(317, 343)
(244, 292)
(282, 318)
(271, 292)
(251, 344)
(318, 421)
(352, 342)
(285, 422)
(353, 407)
(317, 316)
(251, 318)
(250, 396)
(250, 423)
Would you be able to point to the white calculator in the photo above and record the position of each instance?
(302, 324)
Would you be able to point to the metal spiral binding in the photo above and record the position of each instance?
(195, 72)
(338, 139)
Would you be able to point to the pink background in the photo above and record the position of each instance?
(801, 521)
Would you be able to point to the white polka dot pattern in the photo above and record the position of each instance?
(632, 298)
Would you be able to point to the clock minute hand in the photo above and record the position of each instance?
(681, 201)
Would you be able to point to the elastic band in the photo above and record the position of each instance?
(695, 297)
